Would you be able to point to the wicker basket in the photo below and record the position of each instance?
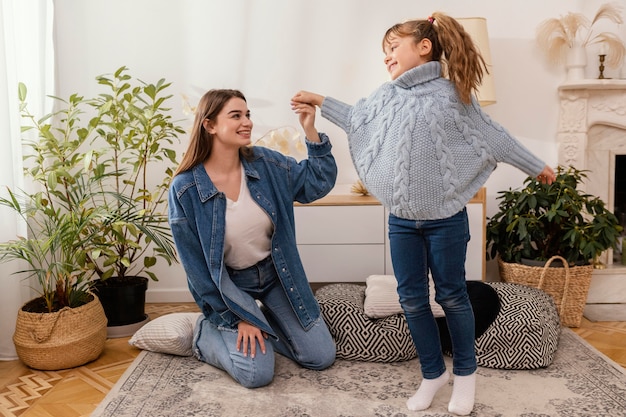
(65, 339)
(568, 286)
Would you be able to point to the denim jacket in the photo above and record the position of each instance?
(197, 213)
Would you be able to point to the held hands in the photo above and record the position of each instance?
(308, 98)
(247, 337)
(306, 113)
(547, 176)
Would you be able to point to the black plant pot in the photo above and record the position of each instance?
(123, 300)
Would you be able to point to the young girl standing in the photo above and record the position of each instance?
(422, 145)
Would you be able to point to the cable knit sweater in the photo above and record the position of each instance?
(420, 150)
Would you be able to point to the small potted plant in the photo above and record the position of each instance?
(547, 223)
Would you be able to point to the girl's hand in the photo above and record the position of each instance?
(308, 98)
(247, 337)
(547, 176)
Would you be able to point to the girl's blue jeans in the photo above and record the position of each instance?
(438, 246)
(313, 348)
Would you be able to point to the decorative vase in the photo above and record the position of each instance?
(576, 62)
(64, 339)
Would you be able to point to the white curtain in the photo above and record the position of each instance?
(26, 55)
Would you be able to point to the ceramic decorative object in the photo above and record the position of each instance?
(565, 40)
(575, 63)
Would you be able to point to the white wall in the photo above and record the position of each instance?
(272, 48)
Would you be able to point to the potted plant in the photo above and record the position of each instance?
(542, 222)
(133, 136)
(65, 326)
(122, 152)
(564, 39)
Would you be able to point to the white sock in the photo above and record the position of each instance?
(463, 392)
(422, 399)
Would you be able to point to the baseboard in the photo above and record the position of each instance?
(172, 295)
(605, 312)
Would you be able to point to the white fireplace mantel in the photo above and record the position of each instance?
(583, 105)
(591, 132)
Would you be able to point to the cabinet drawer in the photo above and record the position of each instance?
(340, 224)
(342, 263)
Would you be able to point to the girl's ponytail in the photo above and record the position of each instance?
(463, 63)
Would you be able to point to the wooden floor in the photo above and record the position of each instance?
(76, 392)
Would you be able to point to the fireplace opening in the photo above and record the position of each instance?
(619, 191)
(619, 206)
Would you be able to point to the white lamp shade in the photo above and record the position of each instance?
(476, 27)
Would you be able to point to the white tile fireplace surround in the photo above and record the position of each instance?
(591, 132)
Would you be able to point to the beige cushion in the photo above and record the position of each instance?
(381, 297)
(171, 333)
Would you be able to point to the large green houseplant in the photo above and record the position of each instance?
(550, 223)
(540, 221)
(65, 326)
(132, 144)
(59, 213)
(116, 146)
(133, 134)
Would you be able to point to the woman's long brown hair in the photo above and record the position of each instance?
(460, 60)
(201, 141)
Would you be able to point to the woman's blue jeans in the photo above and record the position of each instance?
(438, 246)
(313, 348)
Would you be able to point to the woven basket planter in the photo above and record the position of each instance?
(65, 339)
(568, 285)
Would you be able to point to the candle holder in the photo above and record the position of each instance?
(601, 67)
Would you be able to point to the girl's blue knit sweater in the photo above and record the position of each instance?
(420, 150)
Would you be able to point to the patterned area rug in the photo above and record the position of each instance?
(580, 382)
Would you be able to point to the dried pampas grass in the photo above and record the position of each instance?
(556, 36)
(359, 188)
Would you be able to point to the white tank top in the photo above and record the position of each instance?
(248, 230)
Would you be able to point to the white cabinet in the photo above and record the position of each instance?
(475, 262)
(343, 238)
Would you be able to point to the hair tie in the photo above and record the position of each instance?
(431, 20)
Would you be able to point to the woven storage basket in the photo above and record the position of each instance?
(568, 286)
(65, 339)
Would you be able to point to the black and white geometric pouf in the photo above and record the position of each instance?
(524, 334)
(357, 336)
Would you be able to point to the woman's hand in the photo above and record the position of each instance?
(307, 98)
(547, 175)
(306, 113)
(247, 337)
